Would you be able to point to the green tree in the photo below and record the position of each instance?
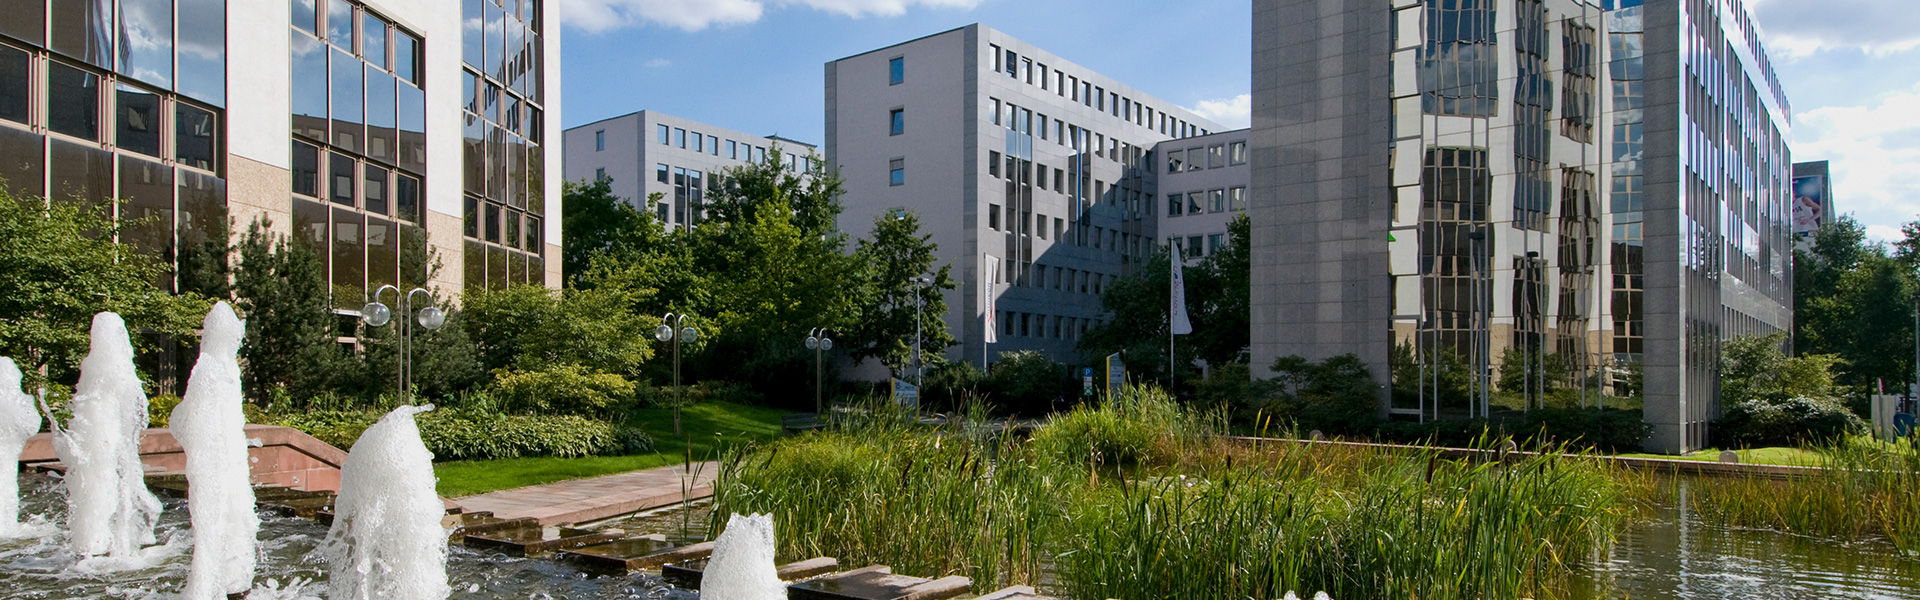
(281, 291)
(530, 328)
(893, 256)
(1219, 298)
(59, 266)
(594, 222)
(1754, 367)
(1526, 372)
(1139, 303)
(1855, 300)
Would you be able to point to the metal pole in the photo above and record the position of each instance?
(917, 304)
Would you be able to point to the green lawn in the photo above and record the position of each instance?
(1756, 456)
(708, 427)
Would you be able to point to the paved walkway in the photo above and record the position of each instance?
(594, 498)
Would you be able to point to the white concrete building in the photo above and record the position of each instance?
(1011, 156)
(647, 153)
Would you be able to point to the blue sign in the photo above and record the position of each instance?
(906, 394)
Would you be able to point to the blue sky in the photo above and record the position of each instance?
(1851, 67)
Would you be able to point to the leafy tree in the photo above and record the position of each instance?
(594, 221)
(446, 362)
(1336, 395)
(1219, 298)
(59, 266)
(1855, 300)
(530, 328)
(281, 291)
(1527, 372)
(1754, 367)
(1026, 382)
(1454, 377)
(893, 256)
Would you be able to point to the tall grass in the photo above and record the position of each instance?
(1133, 499)
(1865, 489)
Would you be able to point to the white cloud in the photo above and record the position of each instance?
(1884, 233)
(1872, 151)
(1800, 27)
(696, 15)
(1232, 113)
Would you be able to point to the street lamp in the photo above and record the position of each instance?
(818, 342)
(665, 333)
(431, 317)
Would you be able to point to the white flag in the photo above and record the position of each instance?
(1179, 315)
(990, 271)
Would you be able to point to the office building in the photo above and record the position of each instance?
(646, 153)
(373, 131)
(1473, 182)
(1204, 186)
(1016, 161)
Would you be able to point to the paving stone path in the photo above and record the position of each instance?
(594, 498)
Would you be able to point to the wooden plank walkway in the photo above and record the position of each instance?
(593, 498)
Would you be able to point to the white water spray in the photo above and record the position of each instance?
(386, 540)
(742, 564)
(109, 510)
(210, 427)
(18, 421)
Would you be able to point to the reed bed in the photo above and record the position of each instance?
(1866, 489)
(1134, 499)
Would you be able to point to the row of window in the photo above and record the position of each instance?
(1019, 324)
(346, 102)
(1198, 158)
(688, 201)
(1209, 201)
(173, 45)
(1025, 121)
(1085, 92)
(360, 252)
(39, 90)
(369, 37)
(504, 160)
(502, 41)
(347, 181)
(667, 135)
(1191, 248)
(1029, 223)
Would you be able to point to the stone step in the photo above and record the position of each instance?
(1018, 592)
(539, 541)
(878, 582)
(632, 555)
(687, 574)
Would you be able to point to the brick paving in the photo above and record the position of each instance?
(595, 498)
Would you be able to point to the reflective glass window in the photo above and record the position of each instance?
(493, 223)
(83, 29)
(147, 188)
(475, 270)
(306, 169)
(406, 57)
(515, 57)
(410, 116)
(348, 115)
(381, 139)
(374, 190)
(137, 120)
(22, 162)
(73, 101)
(202, 50)
(373, 40)
(202, 233)
(383, 244)
(146, 41)
(896, 70)
(342, 173)
(78, 171)
(26, 20)
(304, 15)
(349, 258)
(496, 61)
(340, 24)
(512, 239)
(406, 197)
(473, 155)
(309, 86)
(16, 84)
(471, 42)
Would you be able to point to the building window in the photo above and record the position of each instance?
(897, 172)
(1237, 153)
(680, 137)
(599, 140)
(896, 70)
(1216, 156)
(698, 146)
(993, 163)
(1194, 200)
(993, 217)
(1217, 201)
(600, 174)
(897, 121)
(1175, 203)
(1459, 70)
(1237, 198)
(663, 133)
(733, 150)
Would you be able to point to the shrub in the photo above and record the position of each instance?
(160, 409)
(1337, 395)
(950, 385)
(462, 435)
(562, 389)
(1789, 422)
(337, 427)
(1609, 429)
(1138, 426)
(634, 440)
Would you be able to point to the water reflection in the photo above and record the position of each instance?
(1669, 552)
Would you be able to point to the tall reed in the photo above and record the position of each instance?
(1865, 488)
(1133, 499)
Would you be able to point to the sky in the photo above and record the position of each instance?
(1851, 68)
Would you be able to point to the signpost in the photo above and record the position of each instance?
(1086, 382)
(906, 395)
(1116, 374)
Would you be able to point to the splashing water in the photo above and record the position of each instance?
(211, 428)
(386, 540)
(742, 564)
(18, 422)
(109, 510)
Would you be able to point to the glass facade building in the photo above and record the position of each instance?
(1487, 246)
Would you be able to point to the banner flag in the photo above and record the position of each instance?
(990, 271)
(1181, 326)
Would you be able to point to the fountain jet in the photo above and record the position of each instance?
(109, 510)
(211, 428)
(742, 564)
(386, 540)
(18, 421)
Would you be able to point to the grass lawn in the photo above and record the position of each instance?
(1757, 456)
(708, 427)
